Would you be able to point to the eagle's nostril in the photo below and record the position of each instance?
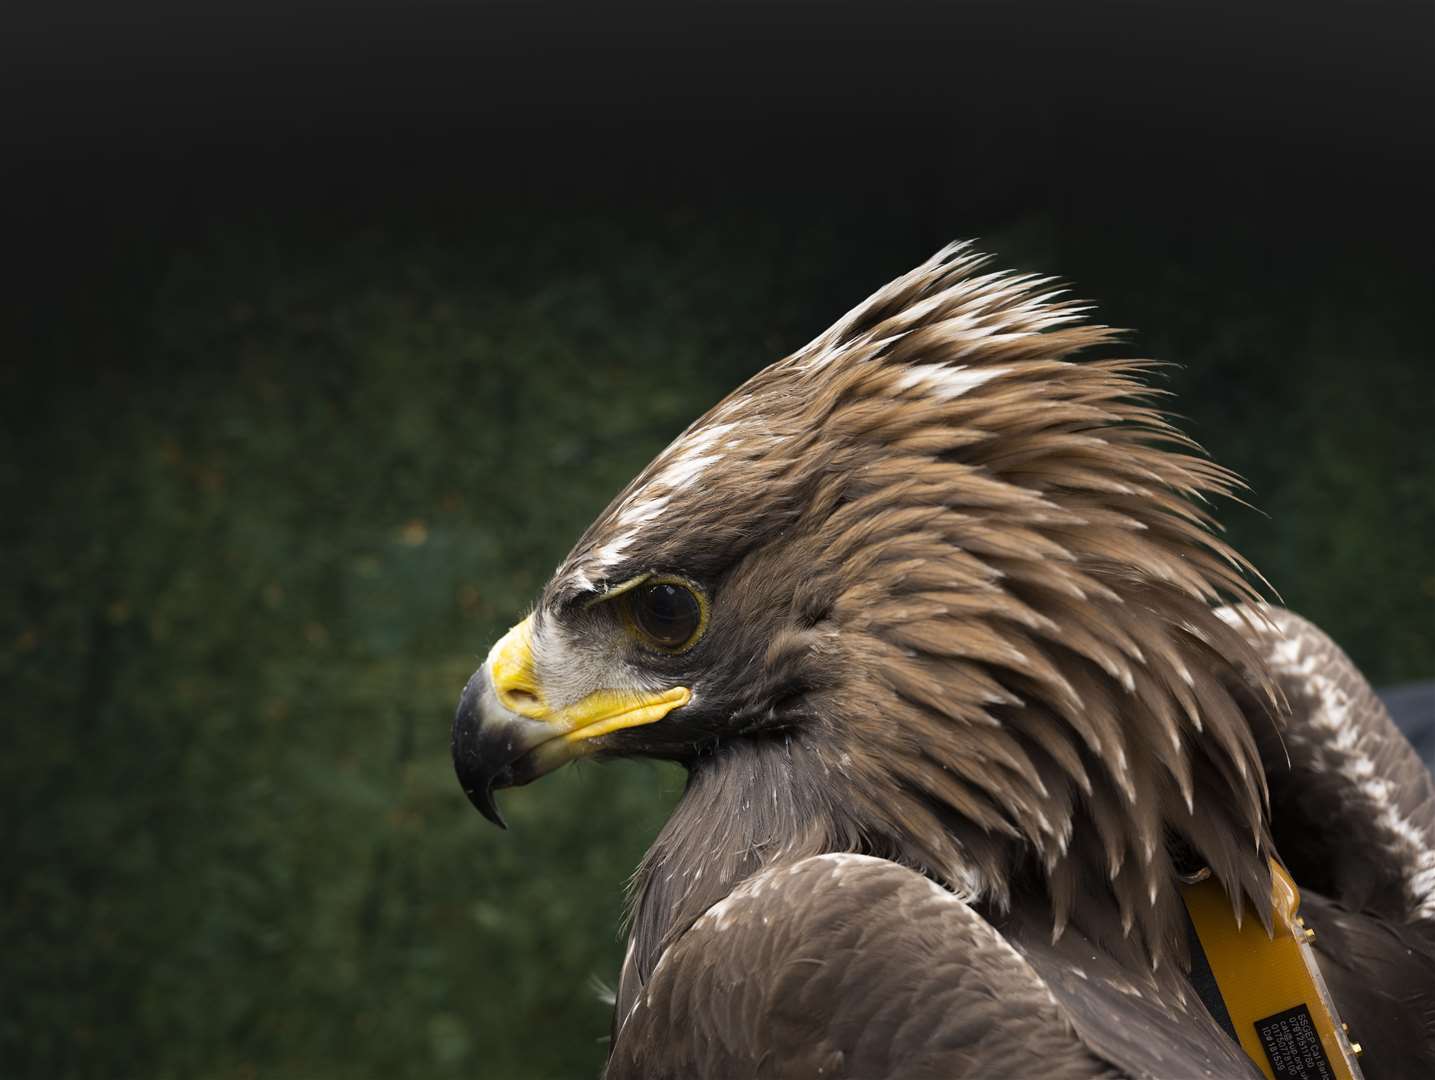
(524, 702)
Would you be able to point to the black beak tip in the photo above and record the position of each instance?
(483, 801)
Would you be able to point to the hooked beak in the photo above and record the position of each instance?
(507, 733)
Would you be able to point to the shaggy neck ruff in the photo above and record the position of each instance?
(984, 593)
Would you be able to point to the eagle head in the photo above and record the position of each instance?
(930, 588)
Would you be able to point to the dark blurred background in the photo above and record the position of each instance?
(328, 327)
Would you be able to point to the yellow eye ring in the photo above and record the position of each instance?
(665, 613)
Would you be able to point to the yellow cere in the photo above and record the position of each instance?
(510, 666)
(516, 684)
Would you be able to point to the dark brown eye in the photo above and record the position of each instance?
(667, 613)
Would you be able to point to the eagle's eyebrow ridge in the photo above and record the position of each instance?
(617, 590)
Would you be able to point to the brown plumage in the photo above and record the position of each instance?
(965, 626)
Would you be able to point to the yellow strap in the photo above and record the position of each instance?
(1279, 1004)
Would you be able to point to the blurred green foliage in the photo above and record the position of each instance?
(270, 494)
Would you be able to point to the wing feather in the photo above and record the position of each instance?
(850, 966)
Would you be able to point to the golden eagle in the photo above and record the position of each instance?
(998, 765)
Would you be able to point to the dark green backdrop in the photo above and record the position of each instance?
(272, 488)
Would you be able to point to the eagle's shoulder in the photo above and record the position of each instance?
(1355, 803)
(844, 965)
